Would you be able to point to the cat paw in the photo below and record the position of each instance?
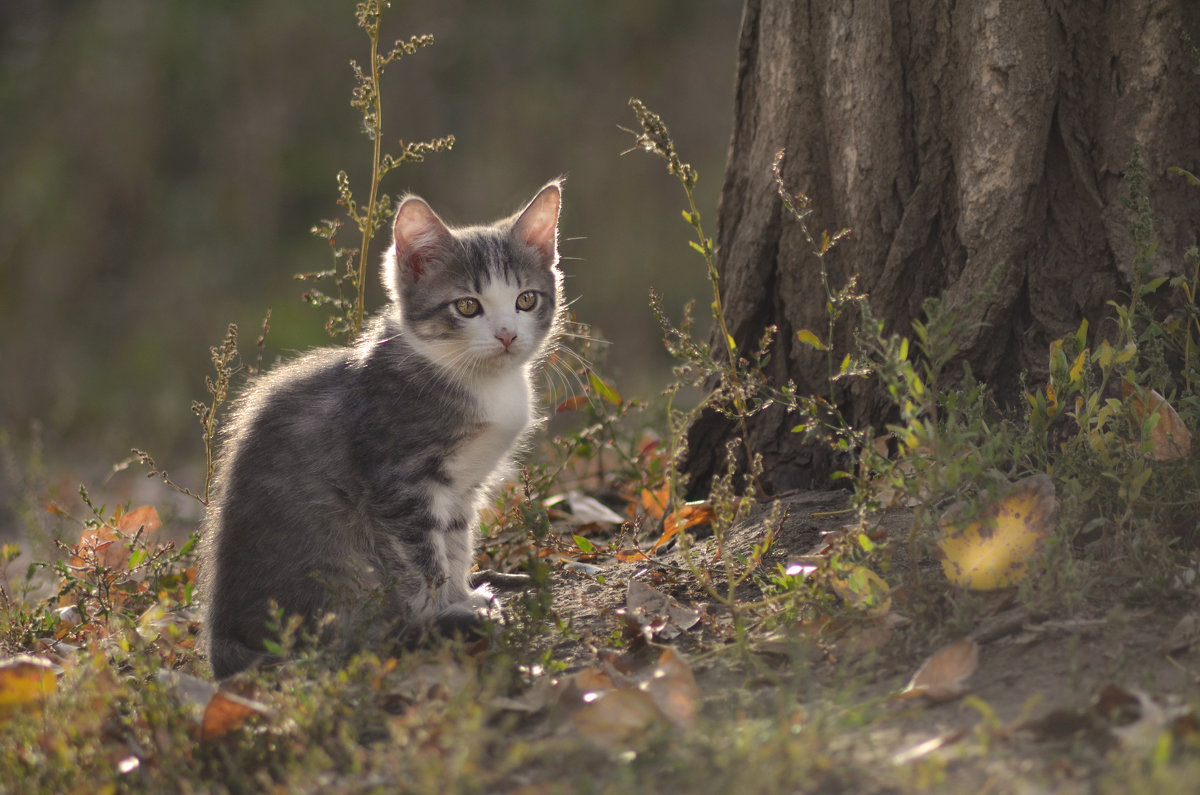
(498, 579)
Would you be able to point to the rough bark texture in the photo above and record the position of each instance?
(951, 138)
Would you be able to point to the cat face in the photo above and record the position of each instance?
(478, 300)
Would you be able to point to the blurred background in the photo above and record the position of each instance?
(162, 162)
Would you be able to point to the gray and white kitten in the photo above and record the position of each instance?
(358, 472)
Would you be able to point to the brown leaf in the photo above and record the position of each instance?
(227, 711)
(689, 515)
(611, 717)
(1116, 704)
(944, 675)
(573, 403)
(651, 608)
(107, 541)
(144, 519)
(1170, 437)
(1184, 635)
(102, 543)
(655, 502)
(673, 688)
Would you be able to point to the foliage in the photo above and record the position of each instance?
(349, 271)
(102, 688)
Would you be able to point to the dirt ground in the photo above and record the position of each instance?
(1054, 701)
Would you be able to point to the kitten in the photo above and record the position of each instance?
(358, 472)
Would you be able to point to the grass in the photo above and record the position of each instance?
(733, 644)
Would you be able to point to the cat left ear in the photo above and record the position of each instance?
(537, 225)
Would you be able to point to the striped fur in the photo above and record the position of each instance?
(351, 477)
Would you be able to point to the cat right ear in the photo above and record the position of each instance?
(418, 238)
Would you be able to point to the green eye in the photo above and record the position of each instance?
(527, 300)
(467, 307)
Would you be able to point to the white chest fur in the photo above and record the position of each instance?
(504, 403)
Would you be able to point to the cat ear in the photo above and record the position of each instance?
(537, 225)
(418, 237)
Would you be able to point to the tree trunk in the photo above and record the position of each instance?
(952, 138)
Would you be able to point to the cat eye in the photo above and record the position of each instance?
(527, 300)
(467, 307)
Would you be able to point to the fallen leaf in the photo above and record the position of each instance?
(144, 519)
(688, 515)
(650, 608)
(673, 688)
(623, 701)
(943, 677)
(227, 711)
(655, 502)
(1184, 635)
(25, 680)
(993, 549)
(612, 717)
(1116, 704)
(590, 510)
(1144, 732)
(1170, 437)
(99, 544)
(924, 749)
(106, 541)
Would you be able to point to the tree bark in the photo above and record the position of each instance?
(952, 138)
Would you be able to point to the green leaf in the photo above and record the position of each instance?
(1153, 285)
(585, 546)
(808, 338)
(1191, 178)
(605, 391)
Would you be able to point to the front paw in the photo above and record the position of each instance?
(498, 579)
(472, 619)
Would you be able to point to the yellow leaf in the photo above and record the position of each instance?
(808, 338)
(25, 680)
(1076, 372)
(993, 549)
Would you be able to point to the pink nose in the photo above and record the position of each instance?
(506, 337)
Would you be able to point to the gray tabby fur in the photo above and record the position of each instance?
(352, 476)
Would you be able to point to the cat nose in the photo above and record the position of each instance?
(506, 337)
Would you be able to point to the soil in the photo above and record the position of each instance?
(1055, 692)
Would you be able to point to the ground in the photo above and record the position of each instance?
(1062, 700)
